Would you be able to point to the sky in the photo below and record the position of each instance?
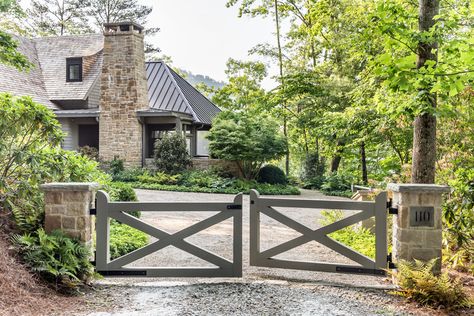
(201, 35)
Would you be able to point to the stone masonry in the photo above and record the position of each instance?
(123, 92)
(67, 208)
(417, 229)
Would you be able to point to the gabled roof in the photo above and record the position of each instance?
(52, 53)
(168, 91)
(28, 82)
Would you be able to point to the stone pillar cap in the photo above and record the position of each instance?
(418, 187)
(70, 186)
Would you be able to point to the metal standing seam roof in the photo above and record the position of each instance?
(168, 91)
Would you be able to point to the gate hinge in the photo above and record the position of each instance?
(391, 265)
(234, 207)
(93, 262)
(93, 211)
(392, 210)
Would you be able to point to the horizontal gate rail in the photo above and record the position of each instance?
(117, 210)
(263, 205)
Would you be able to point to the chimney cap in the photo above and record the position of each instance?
(119, 25)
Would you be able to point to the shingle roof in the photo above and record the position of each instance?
(170, 92)
(52, 53)
(25, 83)
(46, 82)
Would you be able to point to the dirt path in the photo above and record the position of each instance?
(261, 291)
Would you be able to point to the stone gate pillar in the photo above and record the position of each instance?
(67, 208)
(417, 229)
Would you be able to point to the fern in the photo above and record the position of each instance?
(418, 283)
(55, 257)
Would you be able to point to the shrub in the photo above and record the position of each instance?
(90, 152)
(337, 182)
(271, 174)
(116, 166)
(128, 175)
(314, 167)
(315, 182)
(171, 154)
(56, 258)
(202, 178)
(123, 192)
(246, 139)
(124, 239)
(158, 177)
(418, 283)
(458, 216)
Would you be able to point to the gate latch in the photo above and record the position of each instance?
(93, 211)
(392, 210)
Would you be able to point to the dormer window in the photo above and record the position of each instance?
(74, 69)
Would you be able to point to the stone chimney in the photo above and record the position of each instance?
(123, 92)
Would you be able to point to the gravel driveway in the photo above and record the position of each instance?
(261, 291)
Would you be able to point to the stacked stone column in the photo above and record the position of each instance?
(417, 229)
(67, 208)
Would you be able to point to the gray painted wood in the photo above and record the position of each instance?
(116, 210)
(259, 205)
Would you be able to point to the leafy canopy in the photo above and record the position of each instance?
(248, 139)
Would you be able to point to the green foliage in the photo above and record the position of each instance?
(337, 184)
(90, 152)
(56, 258)
(116, 166)
(418, 283)
(122, 192)
(271, 174)
(128, 175)
(9, 54)
(250, 140)
(458, 215)
(124, 239)
(171, 154)
(158, 177)
(359, 239)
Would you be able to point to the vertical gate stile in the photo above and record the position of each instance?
(102, 231)
(237, 251)
(254, 227)
(381, 231)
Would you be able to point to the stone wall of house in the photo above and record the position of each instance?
(123, 92)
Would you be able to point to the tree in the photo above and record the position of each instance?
(58, 17)
(249, 140)
(9, 54)
(424, 132)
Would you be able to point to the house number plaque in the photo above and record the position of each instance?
(422, 216)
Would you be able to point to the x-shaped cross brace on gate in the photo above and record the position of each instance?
(319, 235)
(166, 239)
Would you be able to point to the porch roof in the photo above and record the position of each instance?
(77, 113)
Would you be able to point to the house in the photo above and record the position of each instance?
(106, 96)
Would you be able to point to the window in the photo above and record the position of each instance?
(73, 69)
(202, 143)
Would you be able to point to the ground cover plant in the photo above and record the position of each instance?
(204, 181)
(417, 282)
(358, 238)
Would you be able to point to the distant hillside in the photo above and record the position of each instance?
(194, 79)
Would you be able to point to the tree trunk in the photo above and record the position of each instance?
(280, 62)
(363, 161)
(336, 160)
(424, 134)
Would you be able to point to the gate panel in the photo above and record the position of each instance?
(117, 210)
(260, 205)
